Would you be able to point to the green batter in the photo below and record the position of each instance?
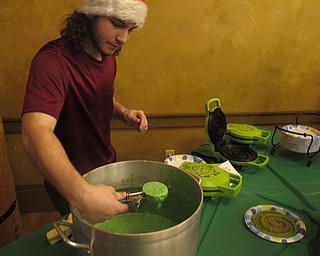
(156, 192)
(134, 223)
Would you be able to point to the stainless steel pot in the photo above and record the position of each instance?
(183, 206)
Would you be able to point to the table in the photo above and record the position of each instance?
(286, 181)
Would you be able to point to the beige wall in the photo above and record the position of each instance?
(256, 56)
(259, 56)
(253, 55)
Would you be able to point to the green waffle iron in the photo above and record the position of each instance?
(221, 150)
(215, 182)
(247, 134)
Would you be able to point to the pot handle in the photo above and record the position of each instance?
(57, 225)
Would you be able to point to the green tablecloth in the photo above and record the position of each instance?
(286, 181)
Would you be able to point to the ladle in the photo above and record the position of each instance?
(152, 191)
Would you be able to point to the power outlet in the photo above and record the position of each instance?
(168, 153)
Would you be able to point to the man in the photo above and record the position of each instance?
(69, 104)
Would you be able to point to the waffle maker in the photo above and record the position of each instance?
(216, 130)
(247, 134)
(215, 181)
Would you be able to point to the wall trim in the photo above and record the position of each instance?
(33, 198)
(13, 125)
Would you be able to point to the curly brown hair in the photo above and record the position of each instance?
(76, 30)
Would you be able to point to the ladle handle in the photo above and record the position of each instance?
(130, 195)
(57, 225)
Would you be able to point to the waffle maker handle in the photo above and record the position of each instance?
(209, 102)
(227, 191)
(265, 135)
(263, 161)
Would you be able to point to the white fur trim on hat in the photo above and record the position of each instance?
(134, 11)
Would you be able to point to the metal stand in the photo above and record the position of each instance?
(309, 154)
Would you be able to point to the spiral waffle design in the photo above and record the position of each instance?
(217, 127)
(274, 224)
(238, 153)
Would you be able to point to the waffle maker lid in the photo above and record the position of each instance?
(216, 126)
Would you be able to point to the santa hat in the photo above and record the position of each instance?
(133, 11)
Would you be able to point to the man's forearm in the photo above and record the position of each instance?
(49, 157)
(118, 109)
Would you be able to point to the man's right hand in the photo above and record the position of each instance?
(100, 202)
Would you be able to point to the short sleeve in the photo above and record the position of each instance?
(47, 85)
